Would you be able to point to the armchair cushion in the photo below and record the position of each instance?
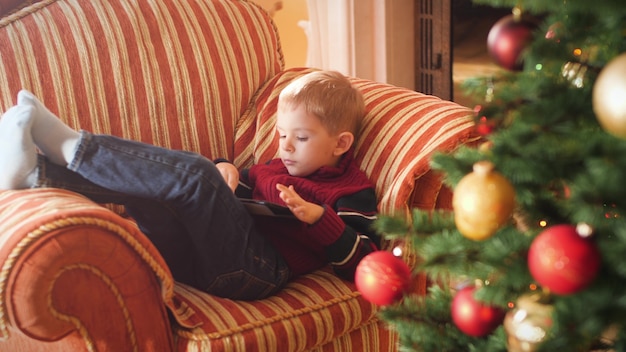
(316, 309)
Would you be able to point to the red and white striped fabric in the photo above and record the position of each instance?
(314, 310)
(177, 74)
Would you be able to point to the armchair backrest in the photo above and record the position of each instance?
(178, 74)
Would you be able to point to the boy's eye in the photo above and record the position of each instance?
(297, 138)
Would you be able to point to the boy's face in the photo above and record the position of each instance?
(305, 144)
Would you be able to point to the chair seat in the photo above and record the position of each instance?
(312, 310)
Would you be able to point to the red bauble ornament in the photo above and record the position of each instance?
(484, 127)
(472, 317)
(382, 278)
(563, 261)
(507, 39)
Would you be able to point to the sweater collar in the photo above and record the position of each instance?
(324, 172)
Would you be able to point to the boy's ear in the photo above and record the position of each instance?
(344, 143)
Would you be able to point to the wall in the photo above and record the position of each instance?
(375, 40)
(292, 37)
(400, 43)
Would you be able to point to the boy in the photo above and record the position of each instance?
(188, 206)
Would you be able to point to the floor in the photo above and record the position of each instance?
(469, 54)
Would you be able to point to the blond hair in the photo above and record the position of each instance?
(330, 96)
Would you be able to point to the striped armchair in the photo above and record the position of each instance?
(199, 75)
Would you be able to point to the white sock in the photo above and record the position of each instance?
(18, 153)
(55, 139)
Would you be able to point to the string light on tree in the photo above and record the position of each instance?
(554, 32)
(484, 126)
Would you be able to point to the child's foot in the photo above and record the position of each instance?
(18, 154)
(55, 139)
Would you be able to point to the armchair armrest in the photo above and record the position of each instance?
(74, 270)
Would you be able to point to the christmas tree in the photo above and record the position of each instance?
(532, 257)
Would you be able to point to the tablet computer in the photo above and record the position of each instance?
(265, 208)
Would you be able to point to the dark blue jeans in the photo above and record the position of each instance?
(181, 202)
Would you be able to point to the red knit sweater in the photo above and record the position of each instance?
(341, 237)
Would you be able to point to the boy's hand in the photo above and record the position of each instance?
(230, 174)
(305, 211)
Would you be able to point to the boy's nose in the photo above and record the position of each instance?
(287, 146)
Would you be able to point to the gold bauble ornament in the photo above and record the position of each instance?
(528, 324)
(575, 73)
(609, 97)
(483, 201)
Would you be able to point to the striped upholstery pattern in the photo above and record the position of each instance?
(401, 130)
(187, 69)
(313, 310)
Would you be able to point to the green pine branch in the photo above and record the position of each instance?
(564, 168)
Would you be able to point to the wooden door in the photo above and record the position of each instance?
(433, 38)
